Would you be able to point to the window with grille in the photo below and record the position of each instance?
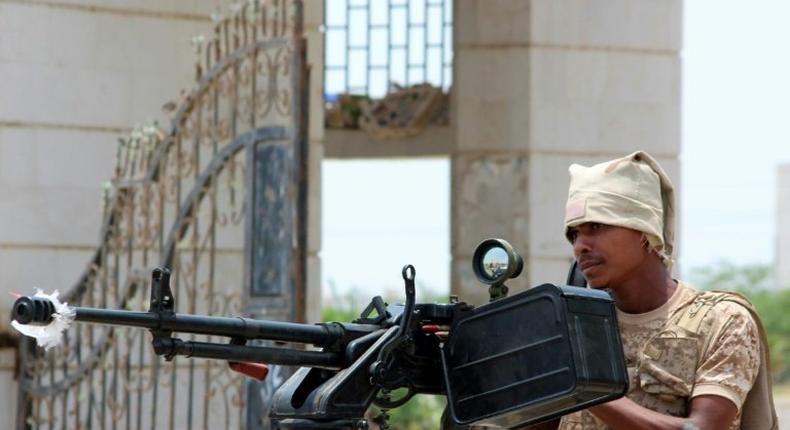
(371, 45)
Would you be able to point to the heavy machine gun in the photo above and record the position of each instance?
(513, 362)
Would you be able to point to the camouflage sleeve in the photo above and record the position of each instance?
(733, 359)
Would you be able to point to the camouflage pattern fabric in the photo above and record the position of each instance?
(663, 359)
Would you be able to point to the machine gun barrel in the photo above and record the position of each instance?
(234, 327)
(333, 337)
(39, 310)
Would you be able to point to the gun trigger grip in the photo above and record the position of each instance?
(258, 371)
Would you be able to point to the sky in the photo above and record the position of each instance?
(378, 216)
(736, 91)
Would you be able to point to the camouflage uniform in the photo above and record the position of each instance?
(663, 359)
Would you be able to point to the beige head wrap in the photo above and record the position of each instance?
(632, 192)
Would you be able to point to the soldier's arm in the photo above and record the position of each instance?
(706, 413)
(731, 364)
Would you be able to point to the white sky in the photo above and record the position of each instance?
(379, 215)
(736, 74)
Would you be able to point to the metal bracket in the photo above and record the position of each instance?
(161, 297)
(497, 291)
(377, 304)
(162, 304)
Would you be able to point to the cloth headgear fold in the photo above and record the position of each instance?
(632, 192)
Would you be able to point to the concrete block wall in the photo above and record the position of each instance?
(544, 84)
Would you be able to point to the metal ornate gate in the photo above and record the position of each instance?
(220, 199)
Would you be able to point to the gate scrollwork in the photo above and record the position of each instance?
(178, 198)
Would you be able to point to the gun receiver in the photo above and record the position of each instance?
(513, 362)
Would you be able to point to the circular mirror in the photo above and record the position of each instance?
(495, 262)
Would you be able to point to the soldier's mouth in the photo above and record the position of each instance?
(586, 264)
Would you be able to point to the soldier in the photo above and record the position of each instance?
(695, 360)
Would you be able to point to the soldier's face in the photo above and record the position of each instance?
(608, 256)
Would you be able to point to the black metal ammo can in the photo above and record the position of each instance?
(549, 349)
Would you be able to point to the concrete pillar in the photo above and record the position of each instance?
(539, 85)
(313, 20)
